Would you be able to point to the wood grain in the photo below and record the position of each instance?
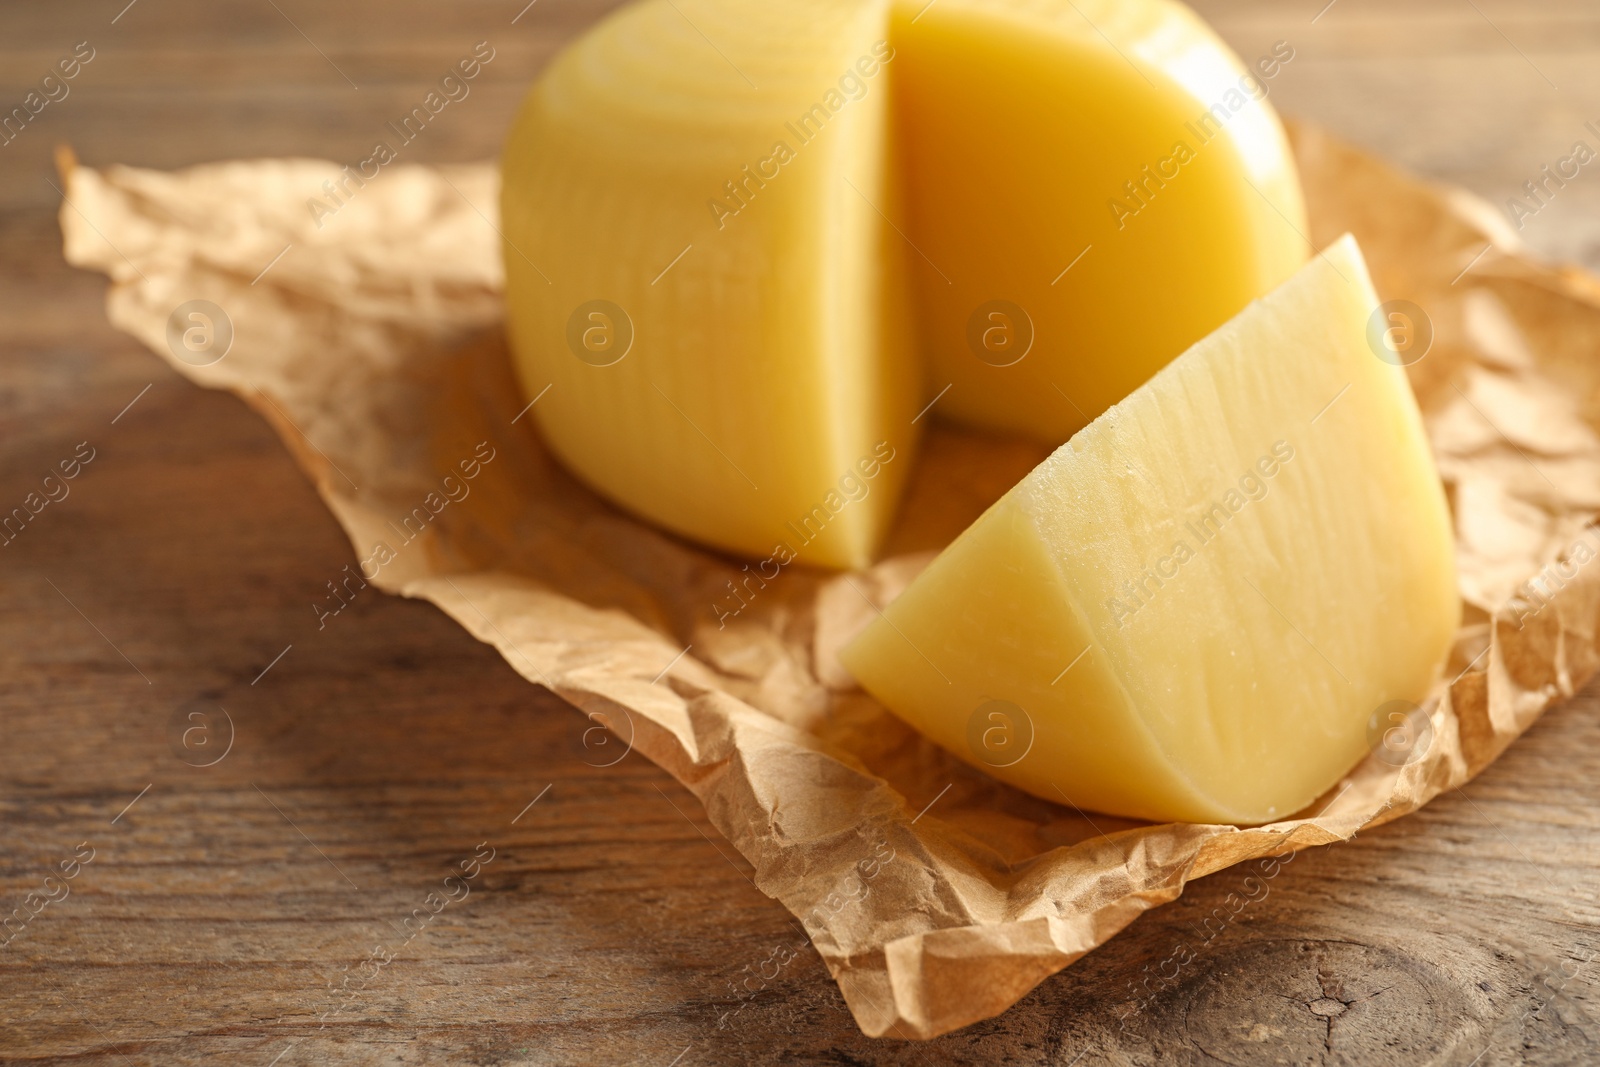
(223, 912)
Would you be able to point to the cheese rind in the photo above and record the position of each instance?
(1199, 601)
(772, 358)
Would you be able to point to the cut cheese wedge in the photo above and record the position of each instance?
(1192, 609)
(748, 241)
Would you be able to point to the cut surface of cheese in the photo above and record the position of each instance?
(748, 241)
(1084, 213)
(1192, 610)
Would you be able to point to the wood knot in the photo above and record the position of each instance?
(1327, 1007)
(1318, 1002)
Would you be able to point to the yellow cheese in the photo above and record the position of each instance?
(1031, 146)
(1192, 610)
(748, 241)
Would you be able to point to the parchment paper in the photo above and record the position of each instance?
(936, 896)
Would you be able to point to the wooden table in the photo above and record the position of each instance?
(225, 905)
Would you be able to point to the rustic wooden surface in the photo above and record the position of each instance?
(224, 912)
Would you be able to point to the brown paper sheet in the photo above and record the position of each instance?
(936, 896)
